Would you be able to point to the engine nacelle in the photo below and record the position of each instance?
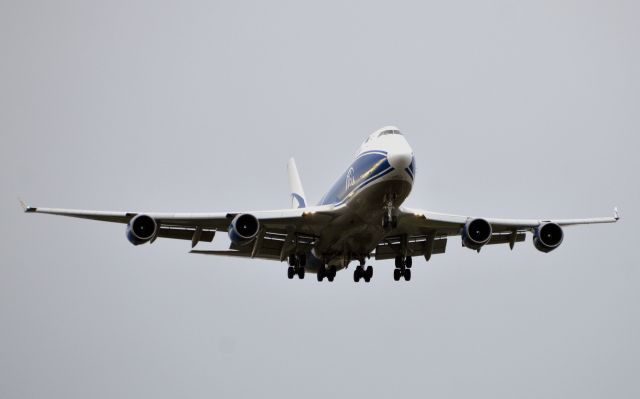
(476, 233)
(547, 237)
(141, 229)
(243, 229)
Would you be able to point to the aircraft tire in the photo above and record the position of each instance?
(397, 273)
(407, 275)
(357, 274)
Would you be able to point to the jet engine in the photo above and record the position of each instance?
(476, 233)
(547, 237)
(141, 229)
(243, 229)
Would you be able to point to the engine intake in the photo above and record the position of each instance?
(547, 237)
(476, 233)
(243, 229)
(141, 229)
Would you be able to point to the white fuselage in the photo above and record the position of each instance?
(374, 185)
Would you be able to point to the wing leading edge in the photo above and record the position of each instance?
(203, 226)
(425, 230)
(432, 220)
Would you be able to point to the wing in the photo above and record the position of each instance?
(280, 230)
(426, 232)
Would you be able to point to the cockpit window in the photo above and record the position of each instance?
(386, 132)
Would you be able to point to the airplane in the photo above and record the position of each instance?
(360, 217)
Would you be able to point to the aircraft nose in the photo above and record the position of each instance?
(400, 159)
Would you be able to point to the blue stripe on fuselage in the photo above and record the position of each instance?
(366, 168)
(365, 183)
(409, 173)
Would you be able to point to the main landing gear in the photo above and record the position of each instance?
(329, 273)
(296, 266)
(362, 273)
(403, 268)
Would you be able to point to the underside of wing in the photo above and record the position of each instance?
(271, 227)
(416, 219)
(477, 232)
(268, 245)
(429, 244)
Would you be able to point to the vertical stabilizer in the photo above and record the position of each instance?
(298, 199)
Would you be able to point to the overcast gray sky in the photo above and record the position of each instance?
(513, 109)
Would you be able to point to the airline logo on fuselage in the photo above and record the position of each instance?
(351, 180)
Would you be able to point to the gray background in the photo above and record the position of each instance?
(514, 109)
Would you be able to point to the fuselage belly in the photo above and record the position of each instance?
(377, 182)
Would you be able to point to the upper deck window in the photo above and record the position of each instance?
(386, 132)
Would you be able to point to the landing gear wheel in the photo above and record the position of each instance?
(302, 260)
(331, 274)
(290, 272)
(321, 273)
(408, 261)
(397, 273)
(407, 275)
(301, 272)
(358, 274)
(368, 273)
(399, 263)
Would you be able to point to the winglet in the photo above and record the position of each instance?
(616, 213)
(25, 207)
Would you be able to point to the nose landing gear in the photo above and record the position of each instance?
(389, 220)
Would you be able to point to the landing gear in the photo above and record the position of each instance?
(389, 222)
(363, 273)
(329, 273)
(296, 266)
(403, 268)
(402, 262)
(398, 273)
